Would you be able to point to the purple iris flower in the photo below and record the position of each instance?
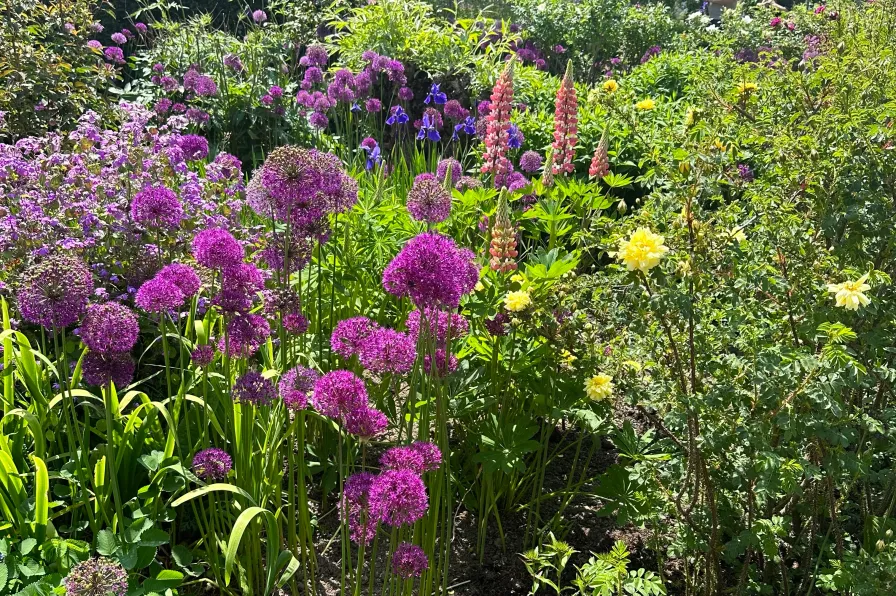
(428, 130)
(373, 155)
(514, 137)
(435, 95)
(398, 116)
(356, 107)
(468, 127)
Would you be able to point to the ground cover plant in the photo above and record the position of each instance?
(413, 299)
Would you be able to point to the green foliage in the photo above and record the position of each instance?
(48, 75)
(607, 574)
(551, 557)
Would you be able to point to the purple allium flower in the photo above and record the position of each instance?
(349, 334)
(398, 497)
(650, 53)
(259, 16)
(775, 21)
(295, 323)
(296, 385)
(157, 207)
(212, 464)
(233, 62)
(276, 91)
(355, 507)
(99, 576)
(203, 355)
(240, 284)
(432, 455)
(317, 55)
(368, 143)
(338, 393)
(405, 94)
(365, 423)
(253, 388)
(484, 107)
(205, 86)
(746, 173)
(267, 100)
(306, 184)
(457, 170)
(109, 328)
(516, 181)
(444, 363)
(467, 183)
(409, 561)
(432, 271)
(141, 28)
(195, 147)
(216, 248)
(388, 351)
(159, 295)
(114, 54)
(455, 111)
(119, 38)
(100, 369)
(429, 201)
(94, 45)
(530, 161)
(245, 334)
(163, 106)
(183, 276)
(497, 325)
(442, 326)
(54, 293)
(402, 458)
(373, 105)
(312, 76)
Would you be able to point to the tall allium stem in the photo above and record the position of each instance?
(566, 125)
(495, 160)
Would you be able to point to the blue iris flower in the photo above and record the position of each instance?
(435, 95)
(428, 130)
(468, 127)
(398, 117)
(373, 156)
(515, 138)
(356, 107)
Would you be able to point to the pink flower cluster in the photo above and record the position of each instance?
(497, 137)
(566, 123)
(341, 395)
(379, 349)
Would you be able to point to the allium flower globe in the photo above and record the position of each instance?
(366, 423)
(431, 454)
(216, 248)
(183, 276)
(212, 464)
(349, 334)
(99, 576)
(398, 498)
(388, 351)
(429, 201)
(402, 458)
(355, 507)
(202, 355)
(432, 271)
(642, 251)
(100, 369)
(296, 386)
(157, 207)
(409, 560)
(54, 293)
(253, 388)
(109, 328)
(159, 295)
(338, 393)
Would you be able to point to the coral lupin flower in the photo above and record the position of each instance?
(503, 244)
(566, 124)
(851, 294)
(497, 127)
(600, 163)
(643, 251)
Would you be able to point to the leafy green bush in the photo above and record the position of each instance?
(48, 74)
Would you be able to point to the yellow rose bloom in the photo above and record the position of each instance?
(517, 301)
(646, 104)
(611, 86)
(745, 88)
(642, 251)
(851, 294)
(600, 386)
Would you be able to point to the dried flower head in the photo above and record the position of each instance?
(54, 293)
(99, 576)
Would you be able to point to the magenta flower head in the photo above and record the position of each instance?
(95, 577)
(355, 507)
(429, 201)
(338, 393)
(212, 464)
(402, 458)
(159, 295)
(431, 454)
(101, 369)
(259, 16)
(203, 355)
(530, 161)
(114, 54)
(109, 328)
(349, 335)
(216, 248)
(240, 284)
(398, 498)
(317, 55)
(119, 38)
(157, 207)
(457, 170)
(295, 323)
(366, 423)
(318, 120)
(296, 385)
(373, 105)
(195, 147)
(54, 293)
(432, 271)
(455, 111)
(405, 94)
(497, 325)
(183, 276)
(468, 183)
(245, 334)
(388, 351)
(253, 388)
(409, 561)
